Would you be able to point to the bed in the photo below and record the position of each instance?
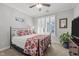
(32, 44)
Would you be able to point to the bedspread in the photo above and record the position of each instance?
(36, 45)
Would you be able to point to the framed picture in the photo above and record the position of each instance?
(19, 19)
(63, 23)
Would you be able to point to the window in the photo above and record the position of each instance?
(46, 24)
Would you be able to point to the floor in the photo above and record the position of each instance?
(55, 49)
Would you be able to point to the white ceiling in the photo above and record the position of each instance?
(34, 12)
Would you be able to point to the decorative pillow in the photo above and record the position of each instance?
(34, 32)
(27, 32)
(30, 32)
(21, 33)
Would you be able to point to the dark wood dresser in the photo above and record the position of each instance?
(74, 47)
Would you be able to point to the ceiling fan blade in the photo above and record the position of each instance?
(32, 6)
(45, 4)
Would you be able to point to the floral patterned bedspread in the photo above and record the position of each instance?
(36, 45)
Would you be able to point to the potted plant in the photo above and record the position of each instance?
(64, 39)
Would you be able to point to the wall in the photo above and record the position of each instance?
(64, 14)
(35, 24)
(27, 19)
(76, 11)
(7, 19)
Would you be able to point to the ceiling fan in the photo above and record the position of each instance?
(40, 5)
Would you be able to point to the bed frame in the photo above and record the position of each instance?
(18, 48)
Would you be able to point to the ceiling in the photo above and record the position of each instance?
(34, 12)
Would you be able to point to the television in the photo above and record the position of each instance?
(75, 27)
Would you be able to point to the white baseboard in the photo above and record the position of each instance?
(4, 48)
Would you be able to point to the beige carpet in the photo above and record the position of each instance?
(54, 50)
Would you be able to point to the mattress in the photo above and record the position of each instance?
(21, 40)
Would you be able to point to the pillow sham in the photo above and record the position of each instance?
(21, 33)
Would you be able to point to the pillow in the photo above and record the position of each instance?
(34, 32)
(30, 32)
(24, 32)
(14, 33)
(21, 33)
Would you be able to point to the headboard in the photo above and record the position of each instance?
(14, 31)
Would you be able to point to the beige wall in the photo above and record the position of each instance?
(7, 19)
(76, 11)
(64, 14)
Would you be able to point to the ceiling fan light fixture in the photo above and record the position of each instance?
(39, 6)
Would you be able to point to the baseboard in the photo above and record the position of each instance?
(4, 48)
